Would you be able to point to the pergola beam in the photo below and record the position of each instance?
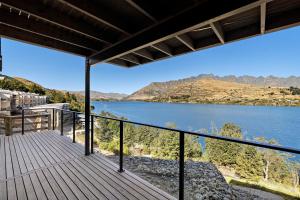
(53, 32)
(163, 48)
(198, 16)
(263, 17)
(98, 14)
(144, 53)
(186, 40)
(132, 59)
(51, 15)
(216, 26)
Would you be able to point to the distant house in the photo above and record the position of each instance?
(11, 100)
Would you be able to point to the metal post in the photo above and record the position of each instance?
(87, 106)
(92, 133)
(53, 119)
(61, 122)
(74, 126)
(121, 147)
(181, 166)
(23, 122)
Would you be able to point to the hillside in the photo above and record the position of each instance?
(95, 95)
(204, 89)
(267, 81)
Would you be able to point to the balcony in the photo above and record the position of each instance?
(46, 165)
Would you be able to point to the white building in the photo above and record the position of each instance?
(11, 100)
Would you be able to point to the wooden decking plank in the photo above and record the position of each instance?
(31, 157)
(62, 144)
(97, 193)
(20, 189)
(3, 191)
(11, 190)
(56, 149)
(37, 187)
(62, 184)
(14, 160)
(34, 158)
(49, 148)
(54, 185)
(70, 183)
(46, 186)
(43, 151)
(21, 192)
(2, 159)
(82, 187)
(154, 193)
(134, 177)
(40, 158)
(29, 188)
(21, 161)
(119, 180)
(8, 160)
(22, 153)
(111, 192)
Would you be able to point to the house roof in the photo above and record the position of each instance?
(134, 32)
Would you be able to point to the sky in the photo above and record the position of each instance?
(271, 54)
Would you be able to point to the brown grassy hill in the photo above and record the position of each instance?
(210, 90)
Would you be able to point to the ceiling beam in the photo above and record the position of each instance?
(263, 7)
(54, 16)
(141, 10)
(198, 16)
(46, 30)
(122, 63)
(216, 26)
(97, 13)
(187, 41)
(163, 48)
(38, 40)
(131, 58)
(144, 53)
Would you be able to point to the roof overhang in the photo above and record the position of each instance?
(135, 32)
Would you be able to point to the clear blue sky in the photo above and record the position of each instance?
(272, 54)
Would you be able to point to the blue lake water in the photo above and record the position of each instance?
(280, 123)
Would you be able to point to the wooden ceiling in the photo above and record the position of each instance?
(134, 32)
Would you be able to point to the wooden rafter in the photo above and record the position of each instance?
(263, 17)
(187, 41)
(216, 26)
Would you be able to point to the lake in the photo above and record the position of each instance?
(280, 123)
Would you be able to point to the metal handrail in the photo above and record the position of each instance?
(182, 134)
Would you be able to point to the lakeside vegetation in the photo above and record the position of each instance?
(242, 164)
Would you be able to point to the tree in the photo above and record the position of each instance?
(224, 153)
(249, 163)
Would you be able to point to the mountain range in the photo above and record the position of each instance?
(208, 88)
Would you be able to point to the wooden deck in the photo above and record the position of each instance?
(46, 165)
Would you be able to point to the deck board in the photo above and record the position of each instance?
(45, 165)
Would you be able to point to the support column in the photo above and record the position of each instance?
(87, 107)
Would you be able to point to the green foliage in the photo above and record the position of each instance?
(294, 90)
(249, 163)
(56, 96)
(224, 153)
(13, 84)
(145, 140)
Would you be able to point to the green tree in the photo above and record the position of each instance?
(249, 163)
(224, 153)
